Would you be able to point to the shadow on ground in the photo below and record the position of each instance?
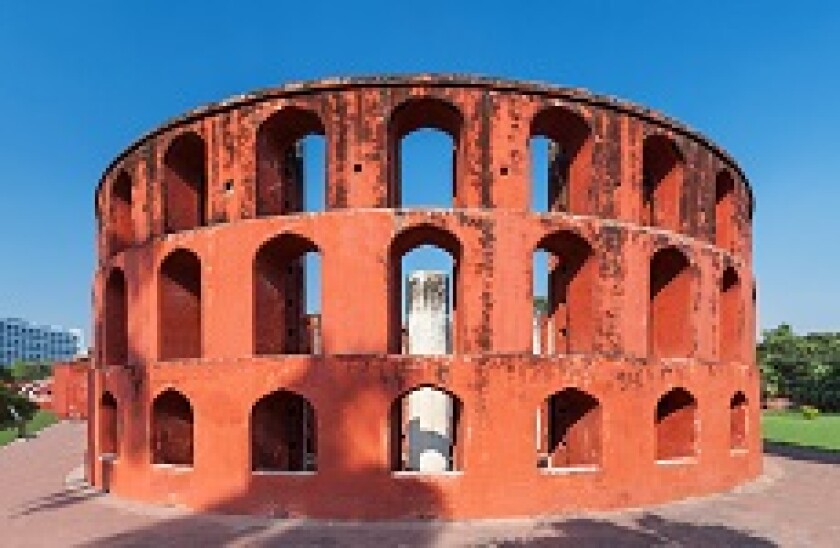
(645, 530)
(798, 452)
(60, 499)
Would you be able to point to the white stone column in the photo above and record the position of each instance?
(430, 411)
(427, 306)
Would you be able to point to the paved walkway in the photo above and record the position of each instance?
(796, 503)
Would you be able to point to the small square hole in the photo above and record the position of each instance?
(357, 168)
(504, 171)
(228, 186)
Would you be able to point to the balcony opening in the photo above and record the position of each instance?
(179, 306)
(291, 163)
(425, 152)
(565, 277)
(172, 429)
(662, 174)
(669, 322)
(423, 292)
(185, 183)
(569, 431)
(287, 289)
(676, 426)
(560, 153)
(425, 432)
(283, 434)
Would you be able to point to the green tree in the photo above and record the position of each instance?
(15, 409)
(805, 368)
(30, 371)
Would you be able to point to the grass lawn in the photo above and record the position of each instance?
(41, 420)
(792, 428)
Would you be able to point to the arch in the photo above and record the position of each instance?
(121, 223)
(662, 179)
(280, 155)
(108, 425)
(731, 318)
(424, 113)
(185, 183)
(669, 311)
(738, 416)
(725, 211)
(279, 293)
(569, 430)
(172, 429)
(283, 433)
(569, 158)
(676, 425)
(426, 431)
(179, 306)
(116, 318)
(407, 240)
(572, 277)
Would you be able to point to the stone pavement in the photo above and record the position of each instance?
(42, 503)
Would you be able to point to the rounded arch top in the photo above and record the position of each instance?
(170, 395)
(286, 244)
(188, 142)
(181, 257)
(426, 112)
(426, 234)
(292, 122)
(108, 400)
(671, 255)
(564, 240)
(561, 124)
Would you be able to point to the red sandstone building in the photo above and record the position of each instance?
(208, 390)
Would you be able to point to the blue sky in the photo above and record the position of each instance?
(80, 80)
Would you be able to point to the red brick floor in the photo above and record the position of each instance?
(796, 503)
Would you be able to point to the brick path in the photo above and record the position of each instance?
(796, 503)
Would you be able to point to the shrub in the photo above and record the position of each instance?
(809, 412)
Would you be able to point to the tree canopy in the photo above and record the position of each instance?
(804, 368)
(14, 408)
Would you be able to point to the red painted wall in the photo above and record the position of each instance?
(192, 326)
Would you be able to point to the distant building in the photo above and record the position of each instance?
(21, 340)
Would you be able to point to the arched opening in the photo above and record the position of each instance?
(569, 430)
(172, 429)
(671, 334)
(179, 306)
(662, 174)
(423, 308)
(287, 296)
(116, 318)
(417, 161)
(725, 211)
(425, 431)
(108, 429)
(731, 317)
(122, 225)
(676, 425)
(185, 183)
(283, 434)
(561, 154)
(564, 284)
(738, 412)
(291, 163)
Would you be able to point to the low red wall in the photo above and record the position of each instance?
(70, 389)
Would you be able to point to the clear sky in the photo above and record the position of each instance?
(80, 80)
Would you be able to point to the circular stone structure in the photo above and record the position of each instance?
(633, 383)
